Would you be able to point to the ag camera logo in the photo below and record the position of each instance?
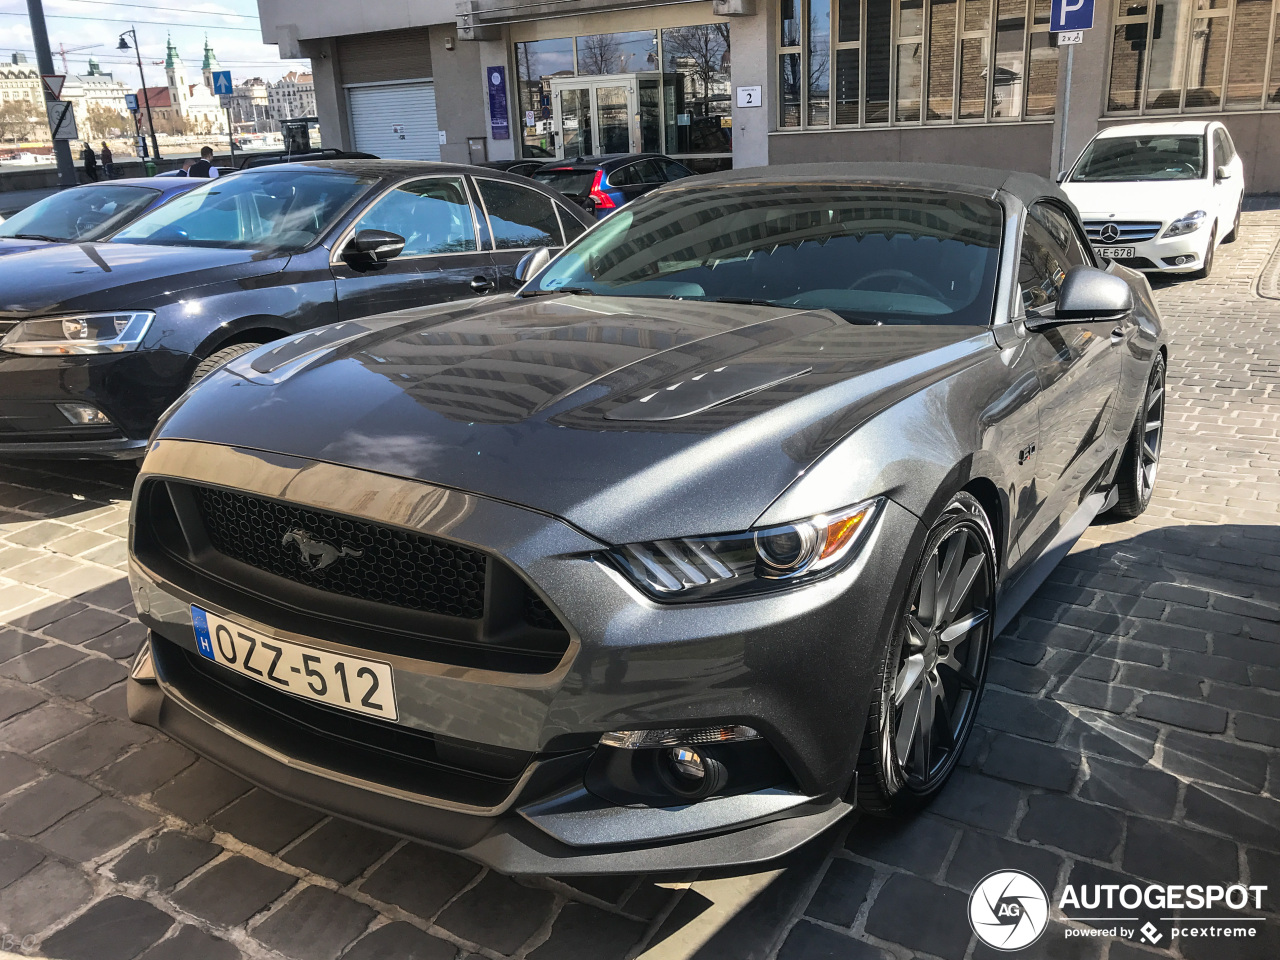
(1008, 910)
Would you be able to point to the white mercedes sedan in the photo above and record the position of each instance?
(1159, 197)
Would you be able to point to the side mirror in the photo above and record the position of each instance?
(531, 264)
(1223, 172)
(374, 246)
(1086, 294)
(1062, 176)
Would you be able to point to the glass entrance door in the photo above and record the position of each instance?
(614, 115)
(597, 115)
(573, 119)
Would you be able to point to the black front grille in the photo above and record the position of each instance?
(1136, 263)
(345, 556)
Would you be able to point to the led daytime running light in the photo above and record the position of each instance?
(647, 739)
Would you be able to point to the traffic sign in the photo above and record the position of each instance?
(53, 84)
(1070, 15)
(222, 83)
(131, 102)
(1069, 37)
(62, 120)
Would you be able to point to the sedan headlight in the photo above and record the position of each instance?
(80, 334)
(695, 568)
(1188, 224)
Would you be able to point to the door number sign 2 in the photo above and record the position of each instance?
(750, 97)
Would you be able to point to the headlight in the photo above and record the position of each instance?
(695, 568)
(1191, 222)
(80, 334)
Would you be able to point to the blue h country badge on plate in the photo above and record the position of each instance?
(204, 642)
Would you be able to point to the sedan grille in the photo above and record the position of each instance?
(345, 556)
(1126, 231)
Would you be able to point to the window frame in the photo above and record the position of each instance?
(493, 237)
(345, 234)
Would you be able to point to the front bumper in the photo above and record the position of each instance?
(796, 665)
(1161, 255)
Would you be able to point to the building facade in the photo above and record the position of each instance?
(184, 106)
(750, 82)
(20, 80)
(293, 95)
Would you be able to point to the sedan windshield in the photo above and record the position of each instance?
(869, 254)
(85, 213)
(1141, 158)
(281, 211)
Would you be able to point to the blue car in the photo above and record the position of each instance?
(603, 184)
(89, 212)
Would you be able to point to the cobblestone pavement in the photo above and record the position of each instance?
(1131, 729)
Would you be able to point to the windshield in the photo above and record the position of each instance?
(282, 211)
(868, 254)
(1141, 158)
(567, 180)
(84, 213)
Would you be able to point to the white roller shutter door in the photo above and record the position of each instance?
(395, 121)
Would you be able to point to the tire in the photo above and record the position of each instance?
(1136, 477)
(1204, 272)
(900, 769)
(1234, 235)
(216, 359)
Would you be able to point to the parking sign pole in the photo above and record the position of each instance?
(44, 59)
(1066, 114)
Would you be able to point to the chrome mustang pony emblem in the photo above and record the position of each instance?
(316, 554)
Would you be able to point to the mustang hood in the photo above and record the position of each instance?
(10, 245)
(116, 276)
(598, 410)
(1162, 200)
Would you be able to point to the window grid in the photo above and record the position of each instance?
(792, 114)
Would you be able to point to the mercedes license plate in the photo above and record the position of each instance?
(1116, 253)
(338, 679)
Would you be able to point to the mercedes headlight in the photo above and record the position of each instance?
(1188, 224)
(695, 568)
(80, 334)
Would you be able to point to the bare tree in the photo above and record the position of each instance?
(599, 54)
(105, 122)
(703, 48)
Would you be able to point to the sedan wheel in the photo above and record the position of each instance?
(1136, 477)
(933, 672)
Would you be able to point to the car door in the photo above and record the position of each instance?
(1078, 365)
(441, 260)
(519, 219)
(1227, 190)
(636, 179)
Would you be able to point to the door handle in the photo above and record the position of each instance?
(481, 284)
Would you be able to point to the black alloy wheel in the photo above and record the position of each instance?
(933, 672)
(1234, 235)
(1207, 268)
(1136, 477)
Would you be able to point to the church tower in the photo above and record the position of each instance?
(176, 71)
(210, 64)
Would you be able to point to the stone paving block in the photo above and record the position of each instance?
(1263, 730)
(84, 625)
(1189, 714)
(192, 943)
(1071, 825)
(40, 663)
(1165, 853)
(1247, 608)
(147, 768)
(43, 896)
(165, 860)
(44, 724)
(1025, 716)
(1120, 950)
(92, 747)
(43, 803)
(200, 790)
(114, 596)
(497, 913)
(1037, 765)
(1052, 945)
(232, 891)
(582, 932)
(895, 916)
(117, 928)
(610, 889)
(122, 643)
(841, 893)
(1251, 699)
(17, 857)
(1210, 667)
(1130, 651)
(14, 643)
(340, 850)
(91, 831)
(1248, 651)
(919, 844)
(1017, 676)
(1023, 651)
(111, 702)
(980, 854)
(1143, 677)
(265, 821)
(648, 900)
(1264, 867)
(808, 941)
(1144, 790)
(15, 771)
(1264, 946)
(1055, 635)
(16, 699)
(400, 941)
(1245, 817)
(978, 801)
(1171, 636)
(317, 924)
(1214, 761)
(1095, 694)
(89, 676)
(1106, 735)
(419, 879)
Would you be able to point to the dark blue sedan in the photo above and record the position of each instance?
(604, 183)
(88, 212)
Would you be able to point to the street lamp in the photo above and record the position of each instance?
(146, 98)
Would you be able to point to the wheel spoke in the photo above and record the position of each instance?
(924, 731)
(916, 634)
(1149, 454)
(1155, 397)
(908, 678)
(928, 590)
(961, 627)
(964, 583)
(908, 721)
(948, 576)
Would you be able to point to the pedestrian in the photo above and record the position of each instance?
(108, 162)
(204, 166)
(90, 162)
(186, 167)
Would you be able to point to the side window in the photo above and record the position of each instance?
(433, 216)
(629, 176)
(650, 172)
(1040, 267)
(573, 227)
(674, 171)
(1230, 145)
(1223, 150)
(1067, 238)
(519, 217)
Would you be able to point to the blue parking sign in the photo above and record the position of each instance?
(1068, 15)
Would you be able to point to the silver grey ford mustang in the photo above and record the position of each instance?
(675, 556)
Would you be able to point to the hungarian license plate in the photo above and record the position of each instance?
(1116, 253)
(352, 683)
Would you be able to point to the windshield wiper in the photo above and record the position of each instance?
(747, 300)
(548, 293)
(34, 236)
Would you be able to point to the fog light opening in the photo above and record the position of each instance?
(1185, 259)
(690, 773)
(84, 414)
